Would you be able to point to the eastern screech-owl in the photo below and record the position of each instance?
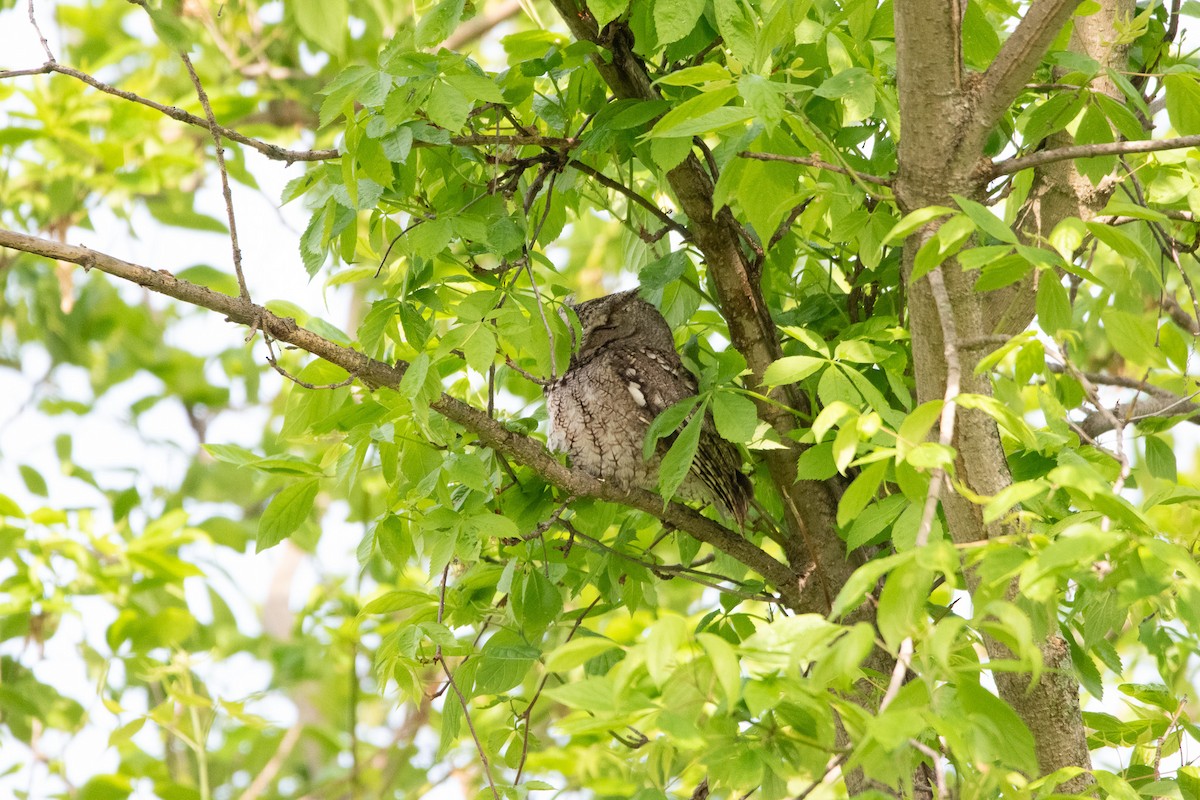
(624, 374)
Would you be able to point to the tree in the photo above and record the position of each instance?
(951, 246)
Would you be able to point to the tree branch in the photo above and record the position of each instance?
(1018, 57)
(621, 188)
(376, 374)
(806, 161)
(274, 151)
(226, 192)
(1018, 163)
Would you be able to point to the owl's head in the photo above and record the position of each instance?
(622, 317)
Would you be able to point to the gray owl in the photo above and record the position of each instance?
(625, 373)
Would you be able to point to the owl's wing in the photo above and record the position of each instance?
(656, 381)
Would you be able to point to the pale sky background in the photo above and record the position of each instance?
(269, 236)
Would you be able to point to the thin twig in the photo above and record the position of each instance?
(263, 779)
(829, 768)
(903, 659)
(528, 712)
(374, 374)
(529, 376)
(273, 151)
(945, 312)
(935, 759)
(41, 36)
(1117, 423)
(617, 186)
(1158, 746)
(225, 190)
(808, 161)
(687, 573)
(1043, 157)
(549, 522)
(487, 768)
(271, 359)
(438, 657)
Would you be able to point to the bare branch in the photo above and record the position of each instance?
(621, 188)
(945, 314)
(376, 374)
(273, 151)
(263, 779)
(807, 161)
(225, 190)
(1018, 163)
(1105, 419)
(903, 659)
(45, 45)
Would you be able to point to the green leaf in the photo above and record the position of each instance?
(439, 23)
(286, 512)
(663, 641)
(678, 460)
(725, 665)
(1160, 459)
(605, 11)
(1053, 115)
(34, 481)
(855, 87)
(674, 19)
(1053, 305)
(577, 652)
(916, 427)
(324, 22)
(1133, 336)
(791, 369)
(1094, 129)
(9, 508)
(860, 492)
(737, 28)
(666, 424)
(735, 416)
(399, 600)
(1183, 102)
(1005, 733)
(658, 274)
(862, 582)
(913, 220)
(505, 661)
(536, 602)
(902, 602)
(985, 220)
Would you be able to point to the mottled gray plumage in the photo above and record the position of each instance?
(625, 372)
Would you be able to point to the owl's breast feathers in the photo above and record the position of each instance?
(602, 407)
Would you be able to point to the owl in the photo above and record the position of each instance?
(625, 373)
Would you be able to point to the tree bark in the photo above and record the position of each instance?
(945, 121)
(1058, 190)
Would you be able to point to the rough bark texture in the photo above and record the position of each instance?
(945, 121)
